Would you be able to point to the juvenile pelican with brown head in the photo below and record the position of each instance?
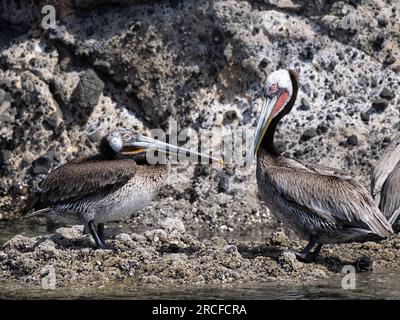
(108, 186)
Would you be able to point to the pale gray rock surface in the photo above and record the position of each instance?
(177, 260)
(199, 63)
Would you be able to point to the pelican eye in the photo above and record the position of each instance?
(126, 136)
(271, 90)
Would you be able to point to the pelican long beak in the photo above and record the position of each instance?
(145, 143)
(262, 126)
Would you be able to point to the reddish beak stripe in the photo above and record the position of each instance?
(281, 101)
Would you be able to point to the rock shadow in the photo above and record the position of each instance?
(263, 250)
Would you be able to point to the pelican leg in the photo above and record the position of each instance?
(310, 256)
(316, 251)
(100, 232)
(92, 229)
(306, 255)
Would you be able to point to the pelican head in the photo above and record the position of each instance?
(278, 90)
(126, 143)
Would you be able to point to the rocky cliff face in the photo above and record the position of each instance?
(145, 65)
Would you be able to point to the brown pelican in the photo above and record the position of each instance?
(108, 186)
(321, 204)
(385, 183)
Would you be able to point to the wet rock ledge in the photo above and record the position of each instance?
(168, 255)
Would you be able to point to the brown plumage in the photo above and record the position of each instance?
(385, 183)
(109, 186)
(81, 178)
(323, 202)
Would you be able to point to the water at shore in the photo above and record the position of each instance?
(368, 286)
